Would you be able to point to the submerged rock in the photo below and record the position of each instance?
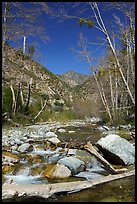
(88, 175)
(116, 149)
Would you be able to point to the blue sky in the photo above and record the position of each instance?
(57, 55)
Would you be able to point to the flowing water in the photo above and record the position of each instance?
(27, 172)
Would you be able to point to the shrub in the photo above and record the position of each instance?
(45, 96)
(7, 99)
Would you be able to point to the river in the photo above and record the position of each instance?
(122, 190)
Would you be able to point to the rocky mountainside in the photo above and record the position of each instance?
(73, 78)
(20, 68)
(46, 87)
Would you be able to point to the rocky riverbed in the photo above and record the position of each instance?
(51, 153)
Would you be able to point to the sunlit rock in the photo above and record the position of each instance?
(54, 140)
(61, 130)
(50, 134)
(74, 164)
(57, 171)
(117, 149)
(26, 147)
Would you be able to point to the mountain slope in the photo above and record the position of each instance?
(20, 68)
(73, 78)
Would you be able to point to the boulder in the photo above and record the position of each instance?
(57, 171)
(61, 130)
(54, 140)
(74, 165)
(116, 149)
(50, 134)
(26, 147)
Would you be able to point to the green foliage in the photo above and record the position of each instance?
(21, 119)
(56, 96)
(45, 115)
(8, 7)
(26, 57)
(90, 23)
(31, 50)
(34, 109)
(81, 21)
(45, 96)
(19, 53)
(65, 115)
(7, 100)
(57, 103)
(105, 117)
(58, 106)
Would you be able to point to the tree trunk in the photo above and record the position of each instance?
(24, 45)
(40, 111)
(14, 100)
(18, 96)
(28, 98)
(102, 27)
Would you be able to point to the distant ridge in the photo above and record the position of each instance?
(73, 78)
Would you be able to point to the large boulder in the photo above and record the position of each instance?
(117, 150)
(75, 165)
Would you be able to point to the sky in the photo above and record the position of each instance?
(58, 53)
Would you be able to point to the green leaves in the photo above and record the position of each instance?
(8, 7)
(89, 22)
(81, 21)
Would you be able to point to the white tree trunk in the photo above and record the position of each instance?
(24, 44)
(102, 27)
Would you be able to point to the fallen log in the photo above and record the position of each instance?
(89, 147)
(13, 191)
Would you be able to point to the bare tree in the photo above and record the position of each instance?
(88, 58)
(96, 21)
(21, 20)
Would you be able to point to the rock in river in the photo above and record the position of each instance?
(57, 171)
(116, 149)
(26, 147)
(74, 164)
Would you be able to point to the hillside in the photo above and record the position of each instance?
(73, 78)
(46, 87)
(44, 82)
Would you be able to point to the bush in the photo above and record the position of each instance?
(65, 115)
(45, 96)
(7, 100)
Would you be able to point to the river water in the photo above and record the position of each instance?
(122, 190)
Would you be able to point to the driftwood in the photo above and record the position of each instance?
(13, 191)
(89, 147)
(40, 111)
